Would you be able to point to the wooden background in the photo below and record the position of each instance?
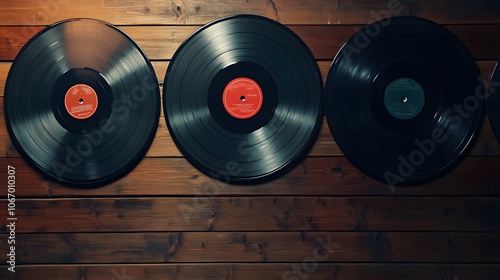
(166, 220)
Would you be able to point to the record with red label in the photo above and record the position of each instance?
(82, 103)
(404, 100)
(243, 99)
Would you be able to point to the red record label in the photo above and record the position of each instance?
(242, 98)
(81, 101)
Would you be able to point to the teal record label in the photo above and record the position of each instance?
(404, 98)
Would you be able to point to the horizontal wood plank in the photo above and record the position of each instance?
(324, 41)
(316, 176)
(201, 11)
(4, 71)
(180, 247)
(255, 214)
(235, 271)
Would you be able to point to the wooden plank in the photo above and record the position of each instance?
(4, 71)
(160, 68)
(255, 214)
(249, 271)
(439, 11)
(202, 11)
(160, 42)
(316, 176)
(325, 41)
(252, 247)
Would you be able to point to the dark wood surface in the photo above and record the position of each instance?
(257, 247)
(323, 220)
(248, 271)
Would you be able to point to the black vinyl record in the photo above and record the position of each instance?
(404, 100)
(494, 102)
(82, 102)
(243, 99)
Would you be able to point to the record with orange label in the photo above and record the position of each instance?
(82, 103)
(243, 99)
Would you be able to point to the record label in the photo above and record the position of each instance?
(404, 98)
(256, 106)
(401, 90)
(242, 98)
(81, 101)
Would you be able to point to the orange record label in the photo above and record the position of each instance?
(81, 101)
(242, 98)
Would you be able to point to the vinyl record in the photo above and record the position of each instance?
(494, 102)
(243, 99)
(403, 100)
(82, 102)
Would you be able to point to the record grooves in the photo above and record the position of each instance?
(405, 103)
(243, 99)
(82, 103)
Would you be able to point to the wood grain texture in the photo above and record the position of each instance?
(324, 41)
(255, 247)
(202, 11)
(4, 71)
(250, 271)
(256, 214)
(315, 176)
